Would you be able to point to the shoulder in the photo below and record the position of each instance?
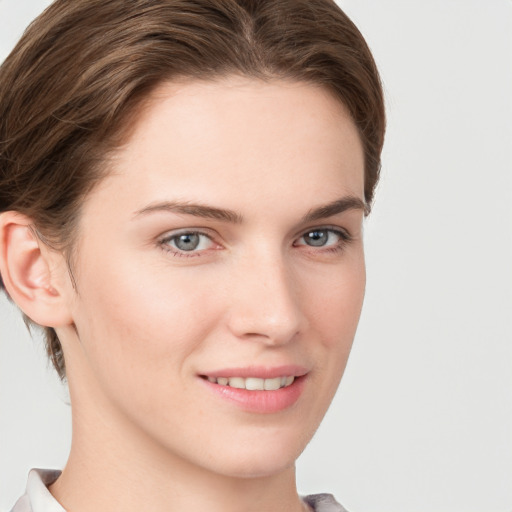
(323, 503)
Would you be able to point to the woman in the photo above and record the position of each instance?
(183, 185)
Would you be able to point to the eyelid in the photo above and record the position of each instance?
(183, 231)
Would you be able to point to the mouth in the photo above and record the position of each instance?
(253, 383)
(258, 389)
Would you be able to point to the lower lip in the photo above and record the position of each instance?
(262, 402)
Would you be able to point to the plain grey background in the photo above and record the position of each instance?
(423, 420)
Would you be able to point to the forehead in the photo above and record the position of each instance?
(215, 139)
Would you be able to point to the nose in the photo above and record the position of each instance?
(265, 302)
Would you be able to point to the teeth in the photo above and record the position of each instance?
(236, 382)
(272, 384)
(253, 383)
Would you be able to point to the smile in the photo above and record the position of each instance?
(254, 383)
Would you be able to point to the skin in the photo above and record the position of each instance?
(147, 319)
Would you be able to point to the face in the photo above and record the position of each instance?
(220, 275)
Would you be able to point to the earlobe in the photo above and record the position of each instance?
(26, 269)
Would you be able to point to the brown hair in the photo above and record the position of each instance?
(84, 66)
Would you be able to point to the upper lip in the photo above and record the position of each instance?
(259, 372)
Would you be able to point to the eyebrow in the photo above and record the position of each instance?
(335, 208)
(197, 210)
(211, 212)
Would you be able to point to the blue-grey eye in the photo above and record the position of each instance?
(187, 241)
(321, 238)
(317, 238)
(183, 243)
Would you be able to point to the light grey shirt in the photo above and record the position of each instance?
(37, 497)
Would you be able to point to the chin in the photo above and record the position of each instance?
(260, 459)
(256, 467)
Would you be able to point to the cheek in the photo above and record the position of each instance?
(335, 299)
(140, 323)
(335, 306)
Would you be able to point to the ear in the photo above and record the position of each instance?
(32, 273)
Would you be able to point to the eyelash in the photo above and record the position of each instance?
(344, 239)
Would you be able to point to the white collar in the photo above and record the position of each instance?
(37, 497)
